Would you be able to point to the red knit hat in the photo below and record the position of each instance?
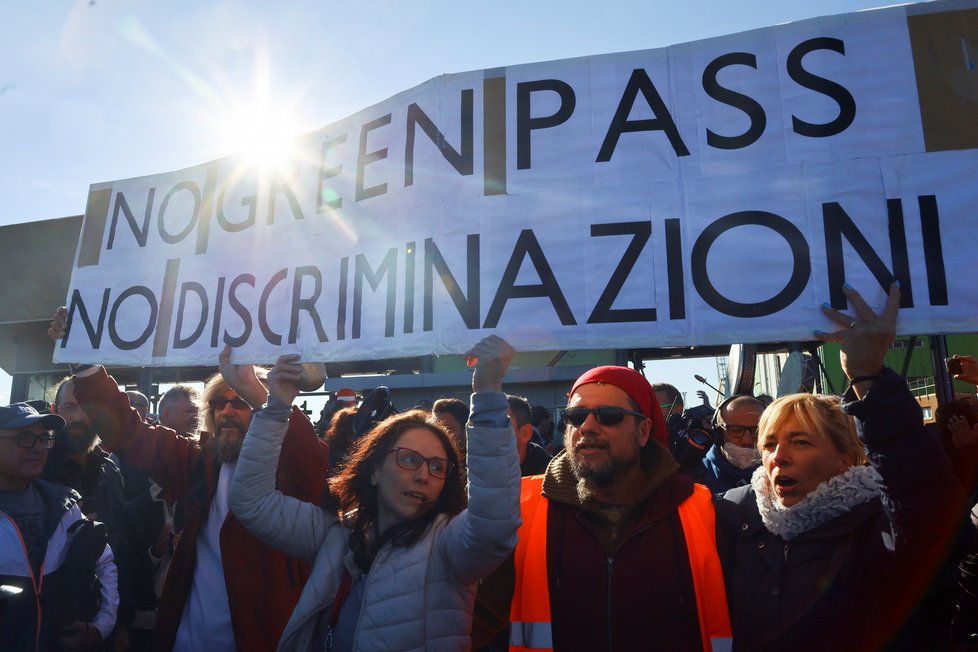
(636, 386)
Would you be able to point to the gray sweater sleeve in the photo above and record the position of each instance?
(482, 536)
(293, 526)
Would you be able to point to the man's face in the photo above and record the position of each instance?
(740, 424)
(231, 422)
(79, 432)
(20, 465)
(181, 415)
(666, 405)
(602, 454)
(522, 433)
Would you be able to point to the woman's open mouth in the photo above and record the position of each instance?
(785, 485)
(418, 496)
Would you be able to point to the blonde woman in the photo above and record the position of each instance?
(824, 551)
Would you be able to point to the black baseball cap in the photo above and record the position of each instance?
(21, 415)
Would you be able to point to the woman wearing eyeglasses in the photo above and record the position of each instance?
(824, 551)
(396, 553)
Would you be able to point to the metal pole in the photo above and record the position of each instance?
(943, 388)
(912, 342)
(146, 385)
(816, 353)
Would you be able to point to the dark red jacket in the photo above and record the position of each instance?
(263, 584)
(622, 588)
(612, 587)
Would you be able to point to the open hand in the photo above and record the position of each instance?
(962, 433)
(866, 337)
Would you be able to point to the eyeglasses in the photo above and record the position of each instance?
(668, 408)
(238, 403)
(28, 439)
(411, 460)
(739, 432)
(606, 415)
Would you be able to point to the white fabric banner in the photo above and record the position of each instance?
(706, 193)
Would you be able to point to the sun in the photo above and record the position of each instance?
(262, 134)
(260, 123)
(257, 124)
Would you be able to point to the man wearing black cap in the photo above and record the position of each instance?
(35, 519)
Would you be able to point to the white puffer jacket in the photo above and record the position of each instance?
(417, 598)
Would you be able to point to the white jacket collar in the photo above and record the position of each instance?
(832, 498)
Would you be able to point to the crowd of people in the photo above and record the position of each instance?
(231, 522)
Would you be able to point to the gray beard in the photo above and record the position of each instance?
(585, 491)
(590, 479)
(224, 449)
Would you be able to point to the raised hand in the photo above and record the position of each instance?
(962, 433)
(285, 378)
(59, 324)
(866, 337)
(969, 369)
(242, 379)
(493, 355)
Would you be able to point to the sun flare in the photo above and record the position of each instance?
(262, 135)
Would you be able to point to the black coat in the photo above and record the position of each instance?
(815, 592)
(102, 489)
(850, 583)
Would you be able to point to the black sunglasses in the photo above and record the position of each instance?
(411, 460)
(237, 403)
(28, 439)
(606, 415)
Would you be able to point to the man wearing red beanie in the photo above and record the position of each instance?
(617, 548)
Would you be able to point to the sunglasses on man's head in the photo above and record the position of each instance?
(237, 403)
(28, 439)
(606, 415)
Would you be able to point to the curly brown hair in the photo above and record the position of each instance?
(351, 495)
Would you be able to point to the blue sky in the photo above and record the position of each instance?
(98, 90)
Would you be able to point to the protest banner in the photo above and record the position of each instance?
(705, 193)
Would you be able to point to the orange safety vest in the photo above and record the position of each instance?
(530, 619)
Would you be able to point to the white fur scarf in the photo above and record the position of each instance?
(832, 498)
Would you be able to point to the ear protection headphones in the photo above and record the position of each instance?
(376, 407)
(718, 413)
(717, 423)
